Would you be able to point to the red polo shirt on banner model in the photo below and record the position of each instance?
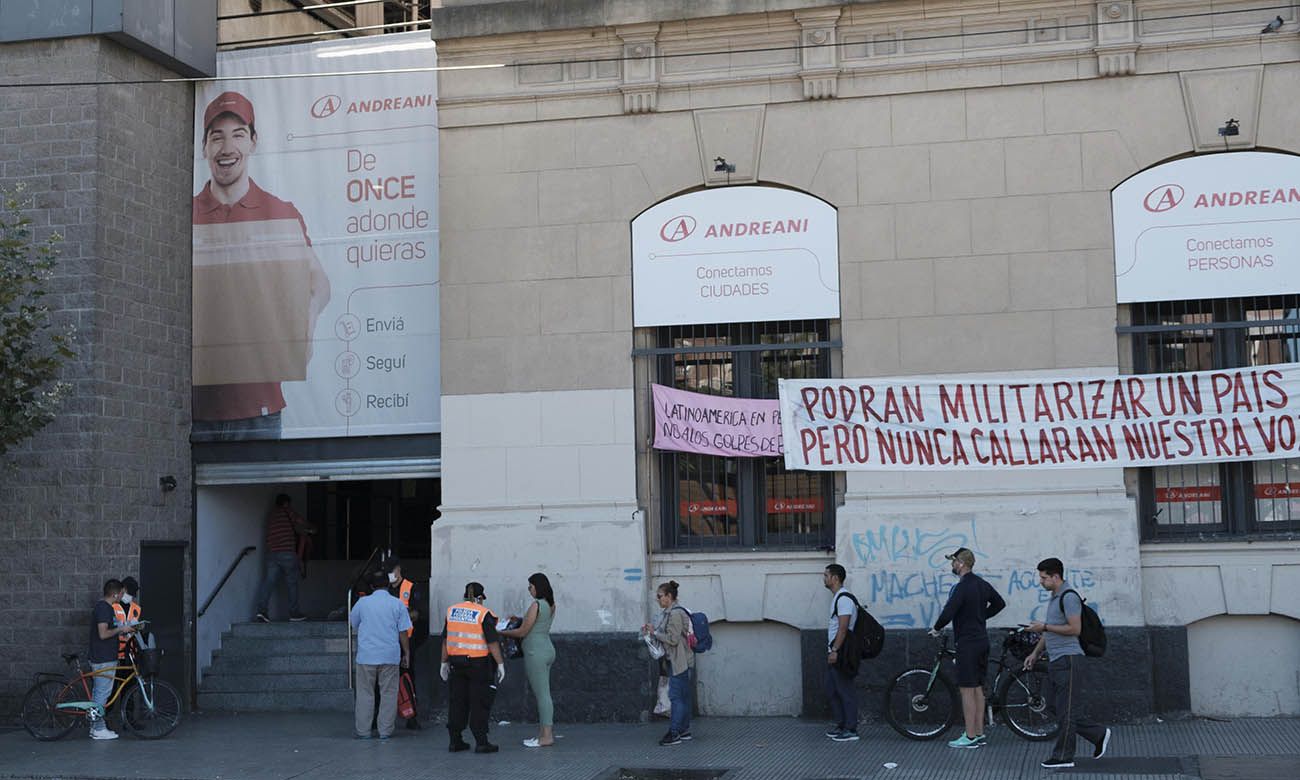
(239, 401)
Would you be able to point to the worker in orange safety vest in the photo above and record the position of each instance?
(404, 590)
(472, 667)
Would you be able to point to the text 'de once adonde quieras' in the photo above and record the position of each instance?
(958, 423)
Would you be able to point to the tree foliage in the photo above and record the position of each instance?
(32, 349)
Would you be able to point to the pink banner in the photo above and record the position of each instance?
(716, 425)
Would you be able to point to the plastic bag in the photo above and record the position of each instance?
(662, 704)
(653, 645)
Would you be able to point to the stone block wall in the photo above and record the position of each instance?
(109, 168)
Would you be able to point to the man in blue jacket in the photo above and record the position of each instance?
(971, 603)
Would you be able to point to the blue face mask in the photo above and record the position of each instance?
(126, 598)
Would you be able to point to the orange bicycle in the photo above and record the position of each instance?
(57, 703)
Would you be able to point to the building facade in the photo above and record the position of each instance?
(970, 150)
(967, 153)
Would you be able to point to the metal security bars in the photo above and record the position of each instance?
(1217, 500)
(715, 502)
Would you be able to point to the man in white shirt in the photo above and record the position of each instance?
(381, 622)
(839, 686)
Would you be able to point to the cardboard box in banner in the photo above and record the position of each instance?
(252, 292)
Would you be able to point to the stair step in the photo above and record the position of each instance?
(285, 629)
(334, 663)
(277, 701)
(232, 682)
(287, 645)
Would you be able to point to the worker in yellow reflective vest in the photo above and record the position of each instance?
(472, 667)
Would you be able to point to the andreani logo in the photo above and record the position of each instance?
(325, 106)
(677, 228)
(1163, 198)
(376, 105)
(683, 226)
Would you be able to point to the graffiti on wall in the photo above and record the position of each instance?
(907, 579)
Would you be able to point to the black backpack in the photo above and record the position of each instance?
(1092, 635)
(865, 640)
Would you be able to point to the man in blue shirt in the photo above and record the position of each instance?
(1062, 621)
(970, 604)
(381, 622)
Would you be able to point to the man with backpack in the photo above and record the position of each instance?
(971, 603)
(839, 682)
(1062, 629)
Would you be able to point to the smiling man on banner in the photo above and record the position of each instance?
(258, 287)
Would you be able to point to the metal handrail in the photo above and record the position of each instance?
(347, 599)
(242, 554)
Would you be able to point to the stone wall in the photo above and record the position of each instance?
(108, 167)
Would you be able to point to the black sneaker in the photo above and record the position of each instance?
(685, 736)
(297, 617)
(485, 747)
(671, 738)
(1057, 763)
(846, 735)
(834, 730)
(457, 747)
(1101, 749)
(261, 617)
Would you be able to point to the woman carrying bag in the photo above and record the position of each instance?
(674, 626)
(534, 634)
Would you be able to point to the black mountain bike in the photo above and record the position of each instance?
(923, 703)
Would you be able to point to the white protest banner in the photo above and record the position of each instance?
(974, 423)
(316, 242)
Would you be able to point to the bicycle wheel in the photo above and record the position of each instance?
(1024, 708)
(41, 716)
(151, 709)
(918, 708)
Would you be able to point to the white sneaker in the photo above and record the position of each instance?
(104, 733)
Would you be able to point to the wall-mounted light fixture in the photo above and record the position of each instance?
(167, 484)
(1230, 128)
(720, 165)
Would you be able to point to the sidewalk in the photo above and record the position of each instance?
(312, 747)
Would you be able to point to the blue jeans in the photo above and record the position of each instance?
(679, 695)
(266, 426)
(279, 564)
(102, 687)
(844, 698)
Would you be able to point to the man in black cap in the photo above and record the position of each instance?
(971, 603)
(472, 667)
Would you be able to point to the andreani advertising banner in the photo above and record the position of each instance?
(970, 423)
(1210, 226)
(316, 243)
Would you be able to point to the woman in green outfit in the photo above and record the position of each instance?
(535, 636)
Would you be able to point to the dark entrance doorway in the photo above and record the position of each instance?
(162, 598)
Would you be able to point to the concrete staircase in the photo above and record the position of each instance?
(279, 667)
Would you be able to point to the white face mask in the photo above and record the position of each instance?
(126, 598)
(392, 578)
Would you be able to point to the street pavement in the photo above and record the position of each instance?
(311, 746)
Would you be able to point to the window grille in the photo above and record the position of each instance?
(1257, 498)
(709, 501)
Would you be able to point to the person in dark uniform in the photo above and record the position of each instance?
(472, 667)
(413, 597)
